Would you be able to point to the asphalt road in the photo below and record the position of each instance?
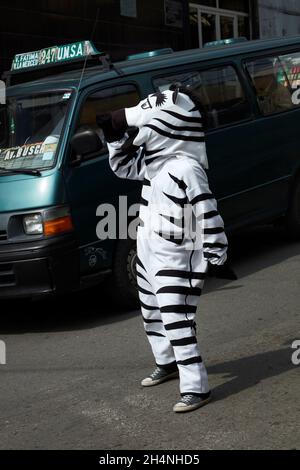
(74, 365)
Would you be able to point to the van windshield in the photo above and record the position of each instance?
(30, 130)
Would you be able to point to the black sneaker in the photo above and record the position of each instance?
(159, 376)
(192, 402)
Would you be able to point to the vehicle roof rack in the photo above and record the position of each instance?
(226, 42)
(147, 55)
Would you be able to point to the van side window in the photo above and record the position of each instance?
(291, 66)
(220, 92)
(104, 101)
(272, 85)
(186, 79)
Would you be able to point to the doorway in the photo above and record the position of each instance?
(213, 24)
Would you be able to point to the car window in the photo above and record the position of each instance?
(31, 129)
(272, 84)
(291, 66)
(220, 91)
(187, 79)
(105, 101)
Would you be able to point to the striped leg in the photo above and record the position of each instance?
(178, 299)
(154, 328)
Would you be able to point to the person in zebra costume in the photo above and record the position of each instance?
(168, 153)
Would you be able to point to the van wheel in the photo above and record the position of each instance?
(293, 215)
(124, 283)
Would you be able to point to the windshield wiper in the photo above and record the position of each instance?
(20, 171)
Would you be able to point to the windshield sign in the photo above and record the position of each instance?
(31, 130)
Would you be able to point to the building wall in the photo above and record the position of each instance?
(35, 24)
(32, 25)
(279, 18)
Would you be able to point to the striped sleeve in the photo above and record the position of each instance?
(129, 164)
(205, 208)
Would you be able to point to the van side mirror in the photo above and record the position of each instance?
(86, 144)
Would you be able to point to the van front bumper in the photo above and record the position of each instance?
(39, 268)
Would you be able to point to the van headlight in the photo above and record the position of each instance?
(33, 224)
(50, 222)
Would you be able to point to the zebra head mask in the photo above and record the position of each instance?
(170, 125)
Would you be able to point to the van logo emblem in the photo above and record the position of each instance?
(93, 261)
(93, 255)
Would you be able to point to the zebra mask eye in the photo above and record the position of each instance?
(155, 101)
(147, 104)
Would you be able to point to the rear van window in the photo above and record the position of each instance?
(291, 66)
(274, 80)
(220, 91)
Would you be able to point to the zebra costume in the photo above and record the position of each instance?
(171, 265)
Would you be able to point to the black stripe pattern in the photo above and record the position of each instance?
(183, 117)
(191, 360)
(181, 184)
(179, 325)
(147, 307)
(201, 198)
(181, 137)
(178, 128)
(179, 309)
(194, 291)
(150, 321)
(144, 291)
(154, 333)
(175, 239)
(181, 274)
(180, 201)
(184, 341)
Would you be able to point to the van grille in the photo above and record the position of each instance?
(3, 235)
(7, 275)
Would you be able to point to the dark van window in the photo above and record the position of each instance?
(272, 84)
(220, 92)
(104, 101)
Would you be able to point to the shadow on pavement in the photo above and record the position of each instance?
(250, 251)
(70, 312)
(247, 372)
(254, 250)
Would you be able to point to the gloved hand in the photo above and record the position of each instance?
(113, 125)
(221, 272)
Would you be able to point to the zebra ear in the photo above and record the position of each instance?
(175, 87)
(175, 96)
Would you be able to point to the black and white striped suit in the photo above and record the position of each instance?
(181, 229)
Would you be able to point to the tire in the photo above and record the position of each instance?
(292, 222)
(124, 283)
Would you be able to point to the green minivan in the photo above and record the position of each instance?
(51, 188)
